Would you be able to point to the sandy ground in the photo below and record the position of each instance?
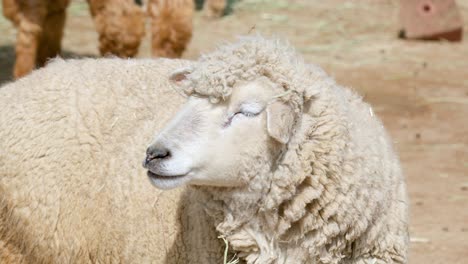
(419, 89)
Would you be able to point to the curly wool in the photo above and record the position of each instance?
(71, 186)
(219, 71)
(120, 25)
(336, 196)
(171, 26)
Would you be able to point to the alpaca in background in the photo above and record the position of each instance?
(120, 25)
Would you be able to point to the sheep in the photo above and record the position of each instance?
(70, 191)
(292, 167)
(40, 29)
(171, 26)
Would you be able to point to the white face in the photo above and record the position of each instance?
(215, 144)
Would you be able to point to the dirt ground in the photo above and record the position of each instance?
(419, 89)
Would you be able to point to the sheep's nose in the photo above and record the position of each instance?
(156, 153)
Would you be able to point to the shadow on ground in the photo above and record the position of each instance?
(7, 61)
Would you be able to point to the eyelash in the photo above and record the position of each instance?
(246, 114)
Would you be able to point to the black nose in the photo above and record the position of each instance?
(155, 152)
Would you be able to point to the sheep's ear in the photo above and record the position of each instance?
(280, 119)
(179, 77)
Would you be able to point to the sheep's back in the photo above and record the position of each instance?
(72, 138)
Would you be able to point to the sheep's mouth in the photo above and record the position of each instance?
(166, 182)
(165, 177)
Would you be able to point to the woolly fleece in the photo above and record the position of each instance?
(337, 194)
(120, 25)
(72, 189)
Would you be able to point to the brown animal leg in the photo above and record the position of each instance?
(214, 8)
(171, 26)
(29, 24)
(10, 10)
(50, 43)
(120, 25)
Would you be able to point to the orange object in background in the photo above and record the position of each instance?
(431, 20)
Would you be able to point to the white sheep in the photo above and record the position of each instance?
(294, 168)
(71, 190)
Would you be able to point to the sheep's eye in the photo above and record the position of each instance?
(245, 113)
(250, 109)
(242, 112)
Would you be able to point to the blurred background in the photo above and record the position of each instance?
(419, 89)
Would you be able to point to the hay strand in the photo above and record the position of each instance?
(234, 259)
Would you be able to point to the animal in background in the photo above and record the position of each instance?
(171, 26)
(40, 30)
(120, 25)
(214, 8)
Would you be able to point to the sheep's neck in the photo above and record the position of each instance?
(238, 221)
(258, 220)
(241, 217)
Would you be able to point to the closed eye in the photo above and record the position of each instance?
(247, 114)
(228, 122)
(248, 110)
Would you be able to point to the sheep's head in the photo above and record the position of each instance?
(245, 105)
(224, 143)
